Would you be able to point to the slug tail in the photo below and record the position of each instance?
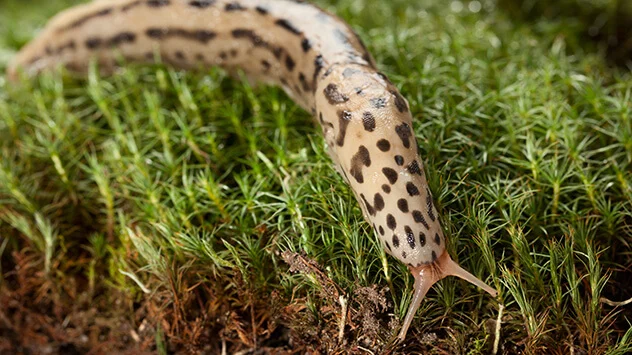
(427, 275)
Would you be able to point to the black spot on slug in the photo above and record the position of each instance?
(131, 5)
(318, 66)
(288, 26)
(180, 55)
(390, 174)
(413, 168)
(370, 210)
(395, 241)
(201, 4)
(381, 230)
(378, 202)
(202, 36)
(391, 222)
(82, 20)
(437, 239)
(404, 255)
(123, 37)
(422, 239)
(306, 45)
(400, 102)
(266, 64)
(412, 189)
(344, 117)
(419, 218)
(93, 43)
(360, 159)
(262, 10)
(402, 204)
(434, 256)
(369, 121)
(404, 133)
(410, 237)
(289, 63)
(383, 145)
(234, 6)
(378, 103)
(429, 204)
(157, 3)
(399, 160)
(386, 188)
(304, 83)
(334, 96)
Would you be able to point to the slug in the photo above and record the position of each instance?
(319, 62)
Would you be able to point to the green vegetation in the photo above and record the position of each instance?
(173, 211)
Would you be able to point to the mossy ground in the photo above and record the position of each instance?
(159, 210)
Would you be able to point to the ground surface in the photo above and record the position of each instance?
(158, 211)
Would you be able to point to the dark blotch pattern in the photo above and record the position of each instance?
(262, 10)
(404, 133)
(383, 145)
(399, 160)
(429, 205)
(391, 222)
(201, 4)
(414, 168)
(79, 22)
(386, 188)
(390, 174)
(381, 230)
(378, 202)
(378, 103)
(361, 159)
(202, 36)
(289, 63)
(344, 117)
(306, 45)
(395, 241)
(370, 210)
(158, 3)
(419, 218)
(437, 239)
(434, 256)
(234, 6)
(319, 63)
(402, 204)
(400, 102)
(288, 26)
(304, 83)
(422, 239)
(369, 121)
(412, 189)
(93, 43)
(410, 237)
(266, 65)
(334, 96)
(123, 37)
(131, 5)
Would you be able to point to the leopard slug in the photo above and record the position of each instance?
(319, 62)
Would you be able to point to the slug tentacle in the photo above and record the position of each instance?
(317, 59)
(428, 275)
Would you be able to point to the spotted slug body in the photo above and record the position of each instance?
(317, 59)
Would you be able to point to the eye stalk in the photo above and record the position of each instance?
(427, 275)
